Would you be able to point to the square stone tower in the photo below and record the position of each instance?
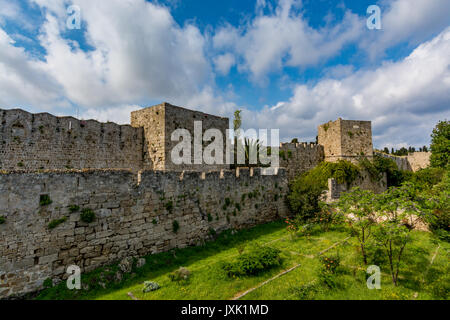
(160, 121)
(346, 140)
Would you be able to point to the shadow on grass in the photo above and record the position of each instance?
(101, 281)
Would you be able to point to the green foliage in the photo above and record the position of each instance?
(74, 208)
(44, 200)
(87, 215)
(330, 263)
(295, 140)
(150, 286)
(427, 178)
(210, 218)
(358, 205)
(306, 189)
(440, 145)
(2, 219)
(395, 177)
(54, 223)
(305, 291)
(169, 206)
(393, 237)
(154, 221)
(182, 274)
(48, 283)
(253, 263)
(175, 226)
(237, 122)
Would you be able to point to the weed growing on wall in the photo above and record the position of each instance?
(87, 215)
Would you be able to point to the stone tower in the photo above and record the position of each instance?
(160, 121)
(346, 140)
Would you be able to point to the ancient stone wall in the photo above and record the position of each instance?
(300, 157)
(364, 181)
(43, 141)
(135, 215)
(161, 121)
(412, 162)
(346, 139)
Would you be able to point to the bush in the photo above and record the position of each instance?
(306, 189)
(150, 286)
(175, 226)
(305, 291)
(54, 223)
(87, 215)
(2, 219)
(254, 262)
(331, 263)
(44, 200)
(74, 208)
(179, 275)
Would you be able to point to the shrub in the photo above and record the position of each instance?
(210, 218)
(175, 226)
(252, 263)
(305, 291)
(2, 219)
(179, 275)
(331, 263)
(87, 215)
(150, 286)
(169, 206)
(54, 223)
(74, 208)
(306, 189)
(44, 200)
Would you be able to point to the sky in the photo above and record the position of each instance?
(289, 64)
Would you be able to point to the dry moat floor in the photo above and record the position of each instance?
(424, 272)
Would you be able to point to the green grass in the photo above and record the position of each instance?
(208, 281)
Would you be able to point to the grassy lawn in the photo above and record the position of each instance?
(418, 279)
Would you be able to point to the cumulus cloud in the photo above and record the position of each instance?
(407, 21)
(403, 99)
(283, 38)
(224, 62)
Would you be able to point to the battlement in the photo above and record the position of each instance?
(346, 139)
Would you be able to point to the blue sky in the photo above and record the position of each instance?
(288, 64)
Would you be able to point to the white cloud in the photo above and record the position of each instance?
(404, 100)
(284, 38)
(407, 21)
(224, 62)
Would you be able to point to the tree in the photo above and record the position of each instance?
(399, 209)
(440, 145)
(386, 150)
(425, 149)
(295, 140)
(393, 237)
(358, 206)
(237, 122)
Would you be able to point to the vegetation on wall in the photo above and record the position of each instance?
(306, 189)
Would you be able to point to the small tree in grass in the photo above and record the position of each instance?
(393, 237)
(399, 209)
(358, 206)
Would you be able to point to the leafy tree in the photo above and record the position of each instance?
(399, 208)
(440, 145)
(393, 237)
(295, 140)
(424, 149)
(358, 206)
(237, 122)
(386, 150)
